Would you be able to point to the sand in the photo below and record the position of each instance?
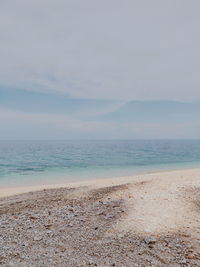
(144, 220)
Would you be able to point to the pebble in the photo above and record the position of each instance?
(150, 240)
(37, 238)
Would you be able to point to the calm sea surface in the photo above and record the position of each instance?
(37, 162)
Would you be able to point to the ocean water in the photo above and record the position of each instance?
(41, 162)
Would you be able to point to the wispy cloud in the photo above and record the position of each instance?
(102, 49)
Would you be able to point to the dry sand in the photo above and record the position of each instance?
(144, 220)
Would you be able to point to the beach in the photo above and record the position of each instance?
(99, 133)
(149, 219)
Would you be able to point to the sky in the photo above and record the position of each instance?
(96, 69)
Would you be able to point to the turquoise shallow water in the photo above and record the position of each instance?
(37, 162)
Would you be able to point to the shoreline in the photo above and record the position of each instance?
(7, 191)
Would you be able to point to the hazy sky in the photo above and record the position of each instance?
(108, 49)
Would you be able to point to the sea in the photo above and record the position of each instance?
(48, 162)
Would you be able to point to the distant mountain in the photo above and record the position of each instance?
(152, 111)
(98, 110)
(42, 102)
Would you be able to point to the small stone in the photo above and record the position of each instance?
(110, 216)
(48, 226)
(190, 257)
(33, 217)
(150, 240)
(25, 244)
(38, 238)
(184, 261)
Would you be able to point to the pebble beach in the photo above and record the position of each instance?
(144, 220)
